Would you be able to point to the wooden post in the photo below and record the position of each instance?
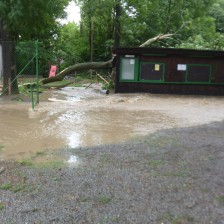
(103, 78)
(9, 87)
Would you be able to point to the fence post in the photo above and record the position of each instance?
(37, 72)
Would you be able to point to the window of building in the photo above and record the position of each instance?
(198, 73)
(127, 69)
(152, 71)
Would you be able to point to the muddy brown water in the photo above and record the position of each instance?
(76, 117)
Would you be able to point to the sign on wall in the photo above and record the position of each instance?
(181, 67)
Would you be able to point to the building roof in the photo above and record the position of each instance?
(169, 51)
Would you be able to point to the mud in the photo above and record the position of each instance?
(74, 117)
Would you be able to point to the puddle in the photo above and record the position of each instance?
(76, 117)
(73, 161)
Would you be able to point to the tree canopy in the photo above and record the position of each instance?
(195, 24)
(29, 19)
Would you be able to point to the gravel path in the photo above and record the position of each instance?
(173, 176)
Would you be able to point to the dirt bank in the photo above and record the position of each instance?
(171, 176)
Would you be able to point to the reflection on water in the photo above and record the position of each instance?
(73, 160)
(73, 139)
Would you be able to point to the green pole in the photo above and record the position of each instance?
(37, 73)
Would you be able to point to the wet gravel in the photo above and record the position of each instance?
(172, 176)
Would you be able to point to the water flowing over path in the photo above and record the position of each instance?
(76, 117)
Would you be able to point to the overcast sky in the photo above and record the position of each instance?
(73, 14)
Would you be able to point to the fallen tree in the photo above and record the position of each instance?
(96, 65)
(86, 66)
(157, 38)
(79, 67)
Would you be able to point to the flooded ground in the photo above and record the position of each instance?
(76, 117)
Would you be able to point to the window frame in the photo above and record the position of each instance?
(149, 80)
(136, 68)
(199, 82)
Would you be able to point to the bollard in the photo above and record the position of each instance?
(104, 91)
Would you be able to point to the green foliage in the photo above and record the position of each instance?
(32, 19)
(70, 46)
(195, 24)
(109, 86)
(98, 16)
(217, 11)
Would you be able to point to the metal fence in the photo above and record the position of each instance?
(17, 61)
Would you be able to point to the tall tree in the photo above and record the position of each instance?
(102, 13)
(143, 19)
(149, 18)
(70, 46)
(25, 20)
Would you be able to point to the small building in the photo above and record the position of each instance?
(169, 71)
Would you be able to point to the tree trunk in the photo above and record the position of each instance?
(10, 85)
(79, 67)
(117, 24)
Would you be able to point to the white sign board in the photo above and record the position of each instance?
(181, 67)
(129, 56)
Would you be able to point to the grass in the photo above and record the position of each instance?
(220, 198)
(108, 86)
(26, 162)
(104, 199)
(14, 188)
(23, 90)
(56, 178)
(105, 159)
(1, 206)
(170, 218)
(40, 153)
(5, 186)
(163, 142)
(17, 188)
(79, 80)
(186, 219)
(156, 163)
(1, 147)
(54, 164)
(177, 174)
(84, 199)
